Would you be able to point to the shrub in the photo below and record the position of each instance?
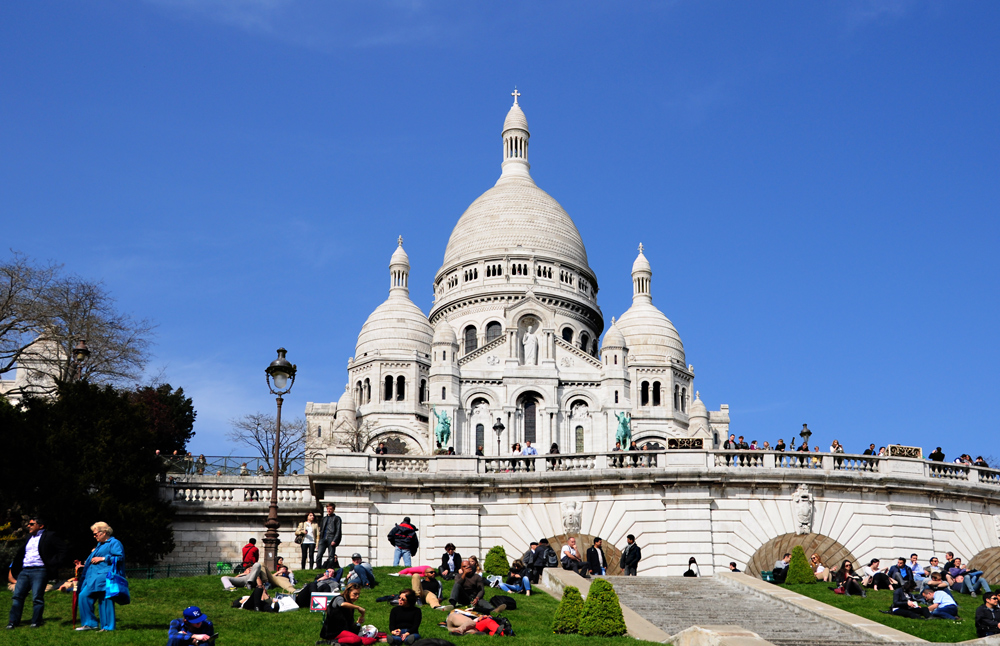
(496, 562)
(798, 569)
(602, 614)
(567, 618)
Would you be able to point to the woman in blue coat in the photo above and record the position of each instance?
(108, 553)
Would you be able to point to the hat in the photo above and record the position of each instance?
(355, 556)
(193, 615)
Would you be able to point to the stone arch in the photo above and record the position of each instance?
(988, 561)
(831, 553)
(612, 554)
(403, 441)
(481, 393)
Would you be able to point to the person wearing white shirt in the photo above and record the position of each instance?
(571, 559)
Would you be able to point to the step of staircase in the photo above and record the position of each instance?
(676, 603)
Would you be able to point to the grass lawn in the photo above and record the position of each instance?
(934, 630)
(156, 602)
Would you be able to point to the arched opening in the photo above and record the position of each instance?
(830, 552)
(359, 393)
(444, 393)
(988, 561)
(584, 341)
(567, 335)
(644, 394)
(387, 390)
(493, 331)
(656, 393)
(480, 436)
(470, 339)
(528, 404)
(579, 439)
(423, 390)
(400, 388)
(593, 348)
(368, 391)
(677, 397)
(616, 396)
(684, 394)
(612, 554)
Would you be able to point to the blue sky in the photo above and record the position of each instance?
(816, 184)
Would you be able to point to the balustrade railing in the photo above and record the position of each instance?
(948, 471)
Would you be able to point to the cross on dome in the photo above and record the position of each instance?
(640, 247)
(515, 94)
(400, 241)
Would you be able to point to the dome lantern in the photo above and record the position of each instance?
(515, 142)
(642, 275)
(399, 270)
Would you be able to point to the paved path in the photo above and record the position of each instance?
(676, 603)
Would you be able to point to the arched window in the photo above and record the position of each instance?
(493, 331)
(584, 341)
(530, 409)
(616, 396)
(656, 393)
(677, 397)
(567, 335)
(359, 393)
(616, 359)
(387, 391)
(444, 393)
(684, 394)
(579, 439)
(400, 388)
(423, 390)
(444, 355)
(593, 348)
(319, 431)
(480, 436)
(368, 391)
(644, 394)
(470, 339)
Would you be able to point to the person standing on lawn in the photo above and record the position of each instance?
(33, 565)
(330, 535)
(403, 537)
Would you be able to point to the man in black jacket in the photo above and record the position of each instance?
(450, 562)
(33, 565)
(988, 616)
(595, 558)
(404, 538)
(329, 536)
(528, 558)
(630, 556)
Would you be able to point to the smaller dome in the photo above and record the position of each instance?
(649, 334)
(515, 119)
(399, 257)
(697, 408)
(346, 401)
(613, 338)
(641, 264)
(444, 333)
(396, 327)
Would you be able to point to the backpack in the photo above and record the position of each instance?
(504, 628)
(504, 600)
(550, 558)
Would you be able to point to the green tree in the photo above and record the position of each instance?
(567, 619)
(87, 455)
(496, 562)
(169, 416)
(798, 569)
(602, 612)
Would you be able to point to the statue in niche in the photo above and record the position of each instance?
(580, 410)
(624, 434)
(572, 513)
(481, 409)
(442, 433)
(530, 343)
(802, 505)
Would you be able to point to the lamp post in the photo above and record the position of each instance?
(280, 377)
(80, 354)
(498, 429)
(805, 434)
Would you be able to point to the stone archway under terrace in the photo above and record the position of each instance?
(831, 553)
(989, 562)
(612, 554)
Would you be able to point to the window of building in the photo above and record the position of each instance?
(677, 397)
(616, 396)
(656, 393)
(480, 436)
(644, 394)
(423, 390)
(400, 388)
(616, 359)
(368, 391)
(444, 393)
(387, 391)
(579, 439)
(493, 331)
(319, 431)
(530, 418)
(684, 393)
(567, 335)
(584, 341)
(470, 339)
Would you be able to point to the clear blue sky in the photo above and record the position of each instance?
(817, 184)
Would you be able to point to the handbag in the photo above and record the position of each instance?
(116, 586)
(299, 538)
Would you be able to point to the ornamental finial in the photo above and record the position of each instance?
(640, 247)
(515, 94)
(400, 241)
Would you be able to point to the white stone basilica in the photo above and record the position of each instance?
(513, 335)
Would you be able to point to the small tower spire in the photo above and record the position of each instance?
(515, 142)
(642, 275)
(399, 271)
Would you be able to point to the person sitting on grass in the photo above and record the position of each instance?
(338, 624)
(404, 619)
(360, 572)
(849, 580)
(988, 616)
(428, 589)
(193, 628)
(468, 588)
(821, 572)
(875, 577)
(905, 605)
(518, 580)
(940, 604)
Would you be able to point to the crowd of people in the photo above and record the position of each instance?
(919, 591)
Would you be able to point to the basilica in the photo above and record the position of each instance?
(510, 351)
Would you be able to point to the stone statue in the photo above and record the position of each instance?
(624, 434)
(802, 505)
(530, 343)
(572, 513)
(442, 432)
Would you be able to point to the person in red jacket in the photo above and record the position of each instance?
(250, 553)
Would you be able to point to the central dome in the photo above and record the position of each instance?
(515, 213)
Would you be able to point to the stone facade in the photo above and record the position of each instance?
(513, 336)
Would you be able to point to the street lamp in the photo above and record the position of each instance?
(80, 354)
(498, 429)
(805, 434)
(280, 377)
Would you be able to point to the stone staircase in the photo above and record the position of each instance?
(676, 603)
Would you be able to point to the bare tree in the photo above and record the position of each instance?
(256, 430)
(356, 439)
(44, 314)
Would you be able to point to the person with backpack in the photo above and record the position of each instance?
(403, 537)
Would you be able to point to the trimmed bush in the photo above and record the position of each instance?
(496, 562)
(798, 569)
(567, 618)
(602, 614)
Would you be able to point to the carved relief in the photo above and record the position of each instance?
(566, 362)
(685, 443)
(898, 451)
(580, 410)
(492, 360)
(802, 506)
(572, 516)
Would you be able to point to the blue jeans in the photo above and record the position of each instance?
(405, 554)
(32, 578)
(945, 612)
(974, 582)
(396, 639)
(525, 586)
(365, 576)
